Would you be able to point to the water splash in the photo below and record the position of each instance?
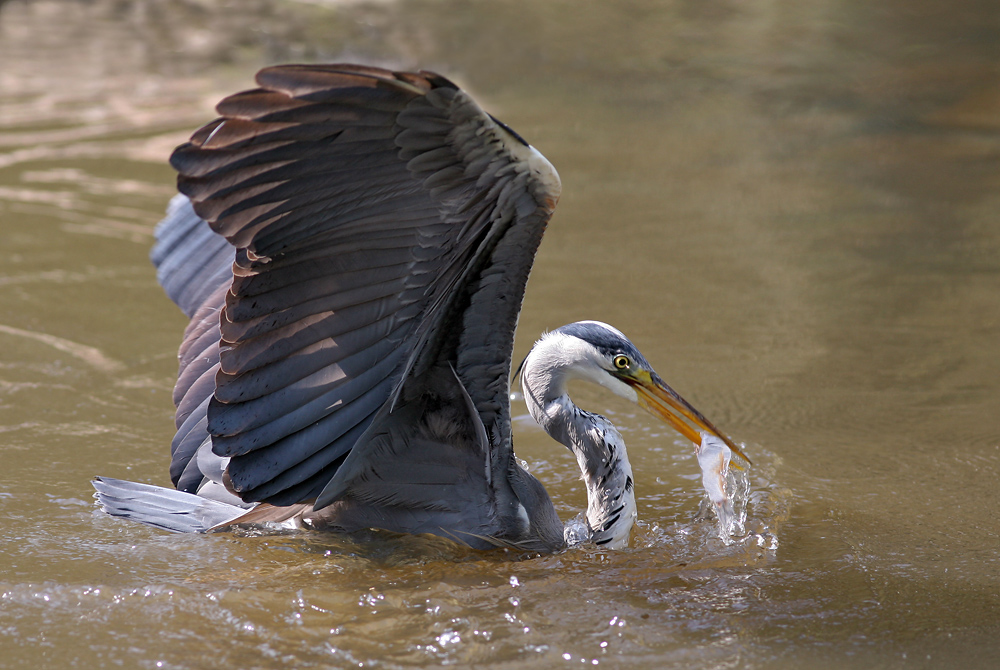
(728, 489)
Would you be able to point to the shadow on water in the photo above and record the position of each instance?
(790, 208)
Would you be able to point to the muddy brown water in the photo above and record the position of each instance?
(791, 208)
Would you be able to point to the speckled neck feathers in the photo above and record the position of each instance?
(596, 443)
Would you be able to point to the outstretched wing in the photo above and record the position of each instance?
(383, 225)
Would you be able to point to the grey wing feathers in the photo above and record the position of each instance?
(196, 382)
(368, 210)
(161, 507)
(194, 266)
(191, 260)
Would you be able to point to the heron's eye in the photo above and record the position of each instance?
(621, 362)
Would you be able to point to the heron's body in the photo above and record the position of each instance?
(352, 248)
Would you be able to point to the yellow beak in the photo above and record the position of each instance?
(662, 401)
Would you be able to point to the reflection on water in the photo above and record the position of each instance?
(791, 209)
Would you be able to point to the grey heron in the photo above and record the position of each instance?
(352, 245)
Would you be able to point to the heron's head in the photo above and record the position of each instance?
(602, 354)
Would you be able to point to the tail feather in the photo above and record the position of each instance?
(162, 507)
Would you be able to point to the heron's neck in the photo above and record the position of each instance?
(599, 450)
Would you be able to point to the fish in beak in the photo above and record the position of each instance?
(662, 401)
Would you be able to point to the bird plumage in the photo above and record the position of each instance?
(585, 351)
(352, 247)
